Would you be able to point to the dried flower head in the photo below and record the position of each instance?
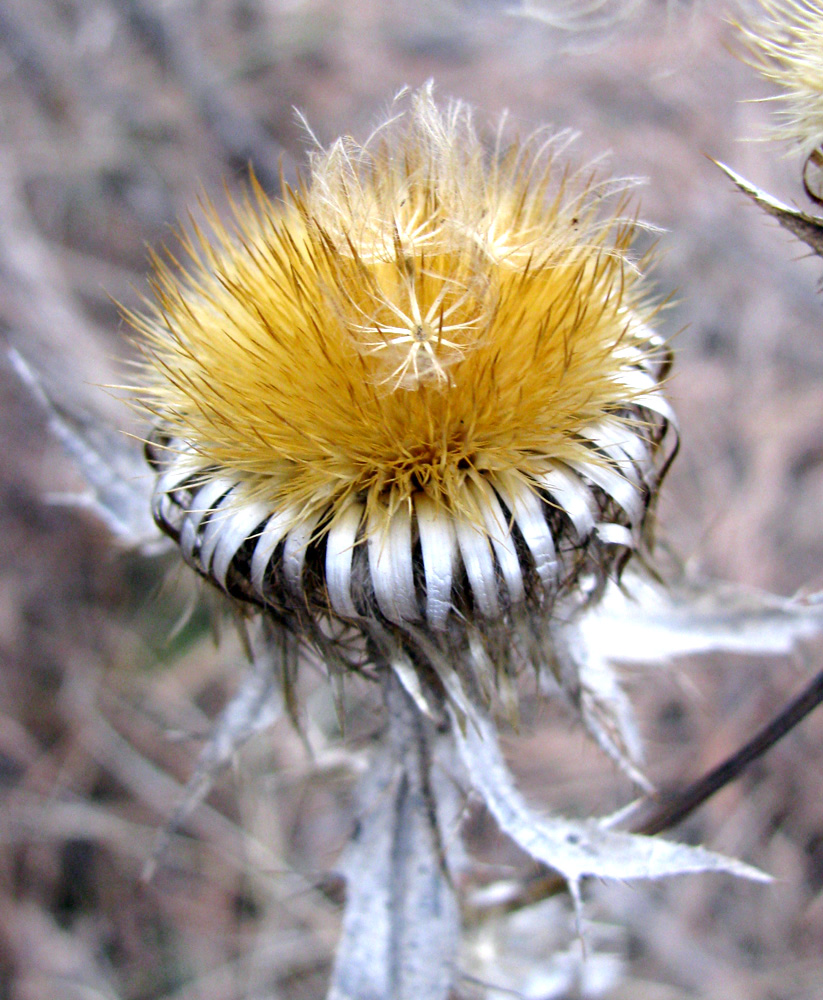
(418, 399)
(785, 44)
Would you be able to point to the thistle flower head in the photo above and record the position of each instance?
(785, 44)
(419, 395)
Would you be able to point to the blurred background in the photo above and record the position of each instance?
(116, 116)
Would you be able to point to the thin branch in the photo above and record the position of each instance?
(683, 803)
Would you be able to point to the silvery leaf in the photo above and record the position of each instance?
(401, 922)
(112, 464)
(605, 708)
(531, 953)
(643, 622)
(808, 228)
(255, 707)
(575, 848)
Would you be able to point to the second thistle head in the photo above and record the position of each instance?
(420, 396)
(784, 42)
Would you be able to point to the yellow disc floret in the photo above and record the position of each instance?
(418, 313)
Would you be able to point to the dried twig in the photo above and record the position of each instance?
(676, 808)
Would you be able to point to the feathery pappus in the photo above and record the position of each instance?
(414, 409)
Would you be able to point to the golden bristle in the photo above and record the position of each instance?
(416, 315)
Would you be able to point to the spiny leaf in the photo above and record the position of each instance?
(111, 463)
(254, 708)
(575, 848)
(808, 228)
(642, 622)
(606, 710)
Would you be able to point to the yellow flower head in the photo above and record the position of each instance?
(785, 44)
(419, 393)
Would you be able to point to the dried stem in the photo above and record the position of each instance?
(671, 812)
